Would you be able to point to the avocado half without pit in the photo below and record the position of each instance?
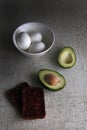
(51, 79)
(67, 57)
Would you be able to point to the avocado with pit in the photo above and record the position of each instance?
(67, 57)
(51, 79)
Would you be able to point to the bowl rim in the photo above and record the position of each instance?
(30, 53)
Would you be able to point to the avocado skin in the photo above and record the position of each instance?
(74, 57)
(52, 89)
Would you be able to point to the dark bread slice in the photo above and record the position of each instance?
(15, 95)
(33, 103)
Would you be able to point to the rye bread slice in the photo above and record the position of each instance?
(33, 104)
(15, 95)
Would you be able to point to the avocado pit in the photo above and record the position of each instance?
(52, 79)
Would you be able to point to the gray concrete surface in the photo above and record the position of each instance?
(65, 109)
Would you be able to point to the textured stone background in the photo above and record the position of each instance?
(65, 109)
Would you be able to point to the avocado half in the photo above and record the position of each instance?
(51, 79)
(67, 57)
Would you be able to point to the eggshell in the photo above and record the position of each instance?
(37, 47)
(36, 37)
(23, 40)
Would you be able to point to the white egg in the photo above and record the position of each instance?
(23, 40)
(37, 47)
(36, 37)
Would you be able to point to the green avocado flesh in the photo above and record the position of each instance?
(67, 57)
(51, 79)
